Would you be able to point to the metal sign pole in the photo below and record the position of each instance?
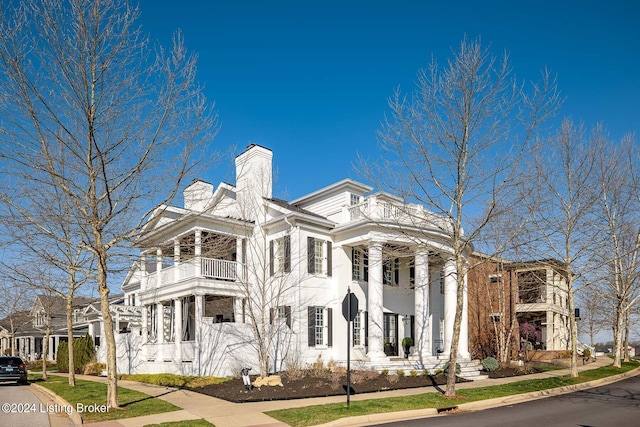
(349, 348)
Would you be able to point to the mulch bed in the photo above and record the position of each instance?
(319, 384)
(512, 372)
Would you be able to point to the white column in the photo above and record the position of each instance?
(422, 343)
(160, 322)
(32, 348)
(375, 303)
(199, 344)
(463, 346)
(450, 288)
(177, 327)
(176, 260)
(145, 326)
(143, 271)
(198, 251)
(158, 267)
(52, 353)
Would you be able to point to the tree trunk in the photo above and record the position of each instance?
(574, 331)
(617, 336)
(450, 390)
(72, 367)
(626, 334)
(109, 337)
(45, 350)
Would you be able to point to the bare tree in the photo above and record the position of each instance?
(14, 309)
(560, 196)
(617, 165)
(437, 144)
(42, 227)
(89, 105)
(593, 311)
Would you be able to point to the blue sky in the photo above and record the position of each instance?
(310, 79)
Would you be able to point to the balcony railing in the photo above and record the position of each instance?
(381, 209)
(210, 268)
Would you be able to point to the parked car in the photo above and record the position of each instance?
(12, 368)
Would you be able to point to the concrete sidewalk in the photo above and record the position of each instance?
(227, 414)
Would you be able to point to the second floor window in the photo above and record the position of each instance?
(280, 255)
(319, 256)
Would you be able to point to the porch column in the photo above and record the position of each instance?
(198, 251)
(158, 267)
(176, 259)
(32, 348)
(375, 303)
(450, 289)
(143, 271)
(52, 343)
(177, 328)
(422, 344)
(463, 343)
(159, 323)
(199, 343)
(145, 326)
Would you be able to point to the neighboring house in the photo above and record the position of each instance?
(527, 299)
(234, 261)
(30, 326)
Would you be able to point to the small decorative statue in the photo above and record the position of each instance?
(245, 378)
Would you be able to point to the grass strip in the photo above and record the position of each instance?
(319, 414)
(88, 393)
(189, 423)
(172, 380)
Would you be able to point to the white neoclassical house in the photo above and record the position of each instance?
(234, 262)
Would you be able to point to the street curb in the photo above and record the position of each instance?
(365, 420)
(75, 417)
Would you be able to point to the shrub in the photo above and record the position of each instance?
(83, 353)
(425, 373)
(490, 364)
(413, 373)
(94, 368)
(586, 353)
(407, 342)
(62, 356)
(445, 368)
(400, 372)
(384, 372)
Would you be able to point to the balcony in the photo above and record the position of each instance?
(381, 209)
(198, 267)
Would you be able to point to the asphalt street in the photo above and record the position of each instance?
(20, 407)
(613, 405)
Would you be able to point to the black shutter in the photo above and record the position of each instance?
(365, 259)
(287, 313)
(271, 258)
(312, 326)
(329, 253)
(287, 254)
(311, 255)
(412, 275)
(330, 327)
(366, 328)
(272, 315)
(396, 271)
(385, 273)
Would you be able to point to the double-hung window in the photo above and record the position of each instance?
(320, 326)
(360, 329)
(280, 255)
(319, 256)
(359, 264)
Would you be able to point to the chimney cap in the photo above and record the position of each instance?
(251, 146)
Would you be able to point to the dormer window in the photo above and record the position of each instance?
(355, 199)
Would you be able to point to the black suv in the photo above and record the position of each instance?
(12, 368)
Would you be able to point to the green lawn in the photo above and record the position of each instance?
(190, 423)
(312, 415)
(133, 403)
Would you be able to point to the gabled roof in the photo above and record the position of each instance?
(57, 304)
(293, 208)
(344, 185)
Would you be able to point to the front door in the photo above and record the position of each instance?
(390, 334)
